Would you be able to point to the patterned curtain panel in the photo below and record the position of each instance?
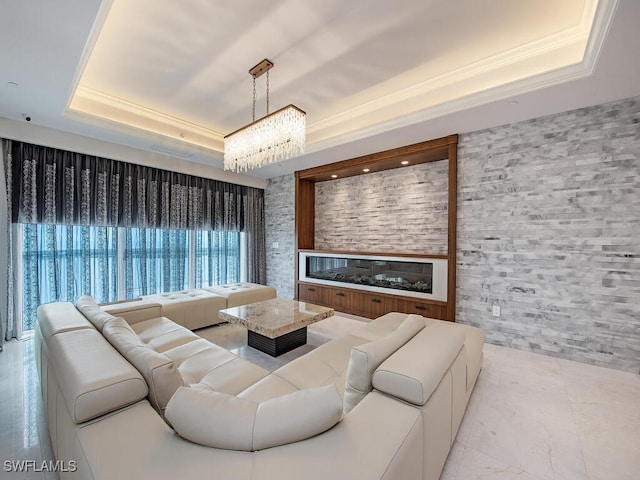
(155, 261)
(217, 258)
(52, 186)
(9, 328)
(63, 262)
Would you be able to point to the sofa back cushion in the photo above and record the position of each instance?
(90, 309)
(225, 421)
(414, 382)
(158, 370)
(367, 357)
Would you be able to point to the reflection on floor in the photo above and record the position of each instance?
(23, 428)
(530, 417)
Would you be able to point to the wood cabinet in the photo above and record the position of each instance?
(367, 304)
(361, 302)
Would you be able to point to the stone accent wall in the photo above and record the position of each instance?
(280, 229)
(401, 210)
(549, 230)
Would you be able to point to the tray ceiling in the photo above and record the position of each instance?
(173, 76)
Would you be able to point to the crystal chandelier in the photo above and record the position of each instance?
(277, 136)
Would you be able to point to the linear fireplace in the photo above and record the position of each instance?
(424, 278)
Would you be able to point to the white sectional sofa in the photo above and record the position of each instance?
(195, 308)
(150, 399)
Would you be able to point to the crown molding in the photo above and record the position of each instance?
(103, 105)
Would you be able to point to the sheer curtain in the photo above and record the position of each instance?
(66, 200)
(64, 262)
(7, 316)
(217, 258)
(155, 261)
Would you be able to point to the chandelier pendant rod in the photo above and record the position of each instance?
(254, 99)
(256, 71)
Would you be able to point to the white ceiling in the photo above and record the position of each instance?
(168, 76)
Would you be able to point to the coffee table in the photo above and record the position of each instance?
(278, 325)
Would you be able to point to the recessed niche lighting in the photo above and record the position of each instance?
(366, 170)
(404, 162)
(334, 176)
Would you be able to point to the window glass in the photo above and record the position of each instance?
(156, 260)
(217, 258)
(64, 262)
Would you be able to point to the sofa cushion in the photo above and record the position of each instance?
(271, 386)
(90, 309)
(162, 334)
(402, 377)
(233, 377)
(158, 370)
(296, 416)
(212, 419)
(367, 357)
(219, 420)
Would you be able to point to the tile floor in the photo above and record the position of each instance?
(531, 417)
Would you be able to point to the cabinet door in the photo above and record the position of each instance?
(421, 308)
(310, 293)
(342, 299)
(377, 305)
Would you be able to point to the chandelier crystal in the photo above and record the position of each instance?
(277, 136)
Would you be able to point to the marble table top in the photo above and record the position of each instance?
(276, 317)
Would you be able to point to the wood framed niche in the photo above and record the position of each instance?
(359, 301)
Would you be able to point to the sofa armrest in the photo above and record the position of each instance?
(93, 377)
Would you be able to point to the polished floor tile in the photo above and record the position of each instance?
(530, 417)
(24, 438)
(537, 417)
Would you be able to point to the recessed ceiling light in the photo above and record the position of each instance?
(404, 162)
(334, 176)
(365, 170)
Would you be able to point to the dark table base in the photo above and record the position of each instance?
(279, 345)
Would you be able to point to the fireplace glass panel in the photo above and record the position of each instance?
(399, 275)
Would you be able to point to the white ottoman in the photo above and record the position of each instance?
(242, 293)
(192, 309)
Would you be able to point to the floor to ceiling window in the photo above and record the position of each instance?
(64, 262)
(78, 224)
(219, 257)
(156, 260)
